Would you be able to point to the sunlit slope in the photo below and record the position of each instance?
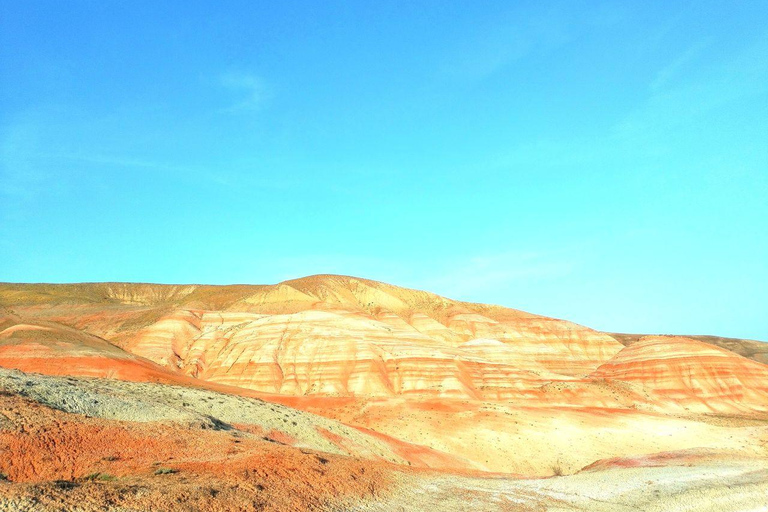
(329, 335)
(751, 349)
(55, 349)
(686, 373)
(117, 445)
(449, 384)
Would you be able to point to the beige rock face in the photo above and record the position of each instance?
(57, 350)
(343, 336)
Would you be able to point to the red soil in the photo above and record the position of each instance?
(95, 366)
(41, 445)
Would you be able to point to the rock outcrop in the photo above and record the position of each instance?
(344, 336)
(54, 349)
(517, 392)
(686, 373)
(334, 335)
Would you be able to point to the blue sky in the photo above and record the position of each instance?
(601, 162)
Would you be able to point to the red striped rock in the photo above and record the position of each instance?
(327, 335)
(682, 372)
(333, 335)
(57, 350)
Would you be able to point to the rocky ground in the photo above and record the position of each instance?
(75, 444)
(67, 444)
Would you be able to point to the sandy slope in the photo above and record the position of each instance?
(684, 373)
(97, 444)
(529, 439)
(738, 486)
(751, 349)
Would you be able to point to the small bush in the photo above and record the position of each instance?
(166, 471)
(102, 477)
(557, 469)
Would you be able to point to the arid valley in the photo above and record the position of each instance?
(391, 256)
(339, 393)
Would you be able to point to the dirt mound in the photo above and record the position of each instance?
(57, 349)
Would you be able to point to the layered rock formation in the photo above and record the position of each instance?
(516, 391)
(334, 335)
(54, 349)
(345, 336)
(326, 335)
(751, 349)
(686, 373)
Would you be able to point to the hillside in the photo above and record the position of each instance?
(519, 392)
(330, 335)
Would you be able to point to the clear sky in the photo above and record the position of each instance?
(601, 162)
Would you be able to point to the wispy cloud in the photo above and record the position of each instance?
(522, 31)
(474, 276)
(250, 91)
(673, 68)
(670, 111)
(23, 174)
(37, 159)
(226, 174)
(719, 84)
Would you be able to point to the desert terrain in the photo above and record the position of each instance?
(340, 393)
